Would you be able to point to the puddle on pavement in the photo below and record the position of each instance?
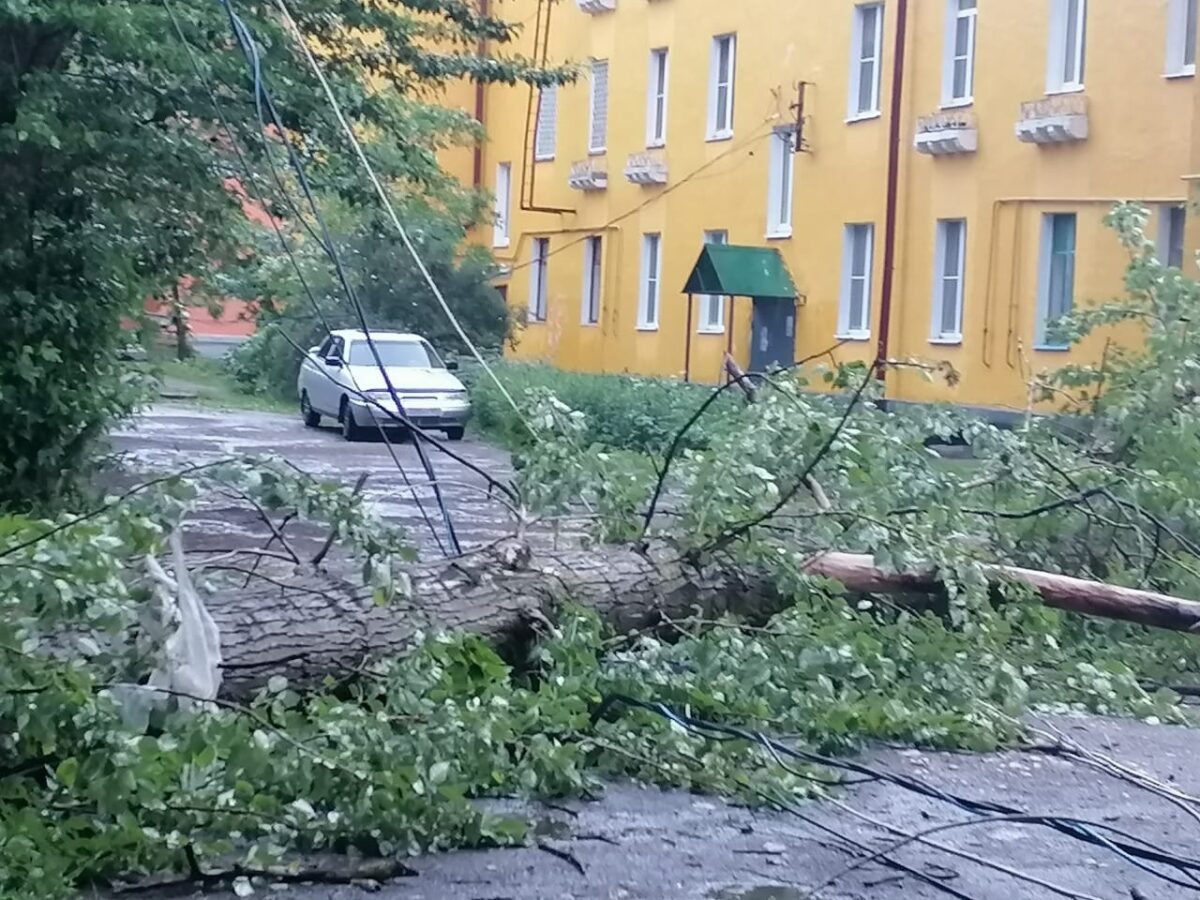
(764, 892)
(551, 828)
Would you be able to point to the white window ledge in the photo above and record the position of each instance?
(947, 340)
(719, 136)
(597, 151)
(863, 117)
(655, 145)
(1185, 72)
(1052, 348)
(502, 245)
(855, 336)
(549, 158)
(781, 234)
(1065, 89)
(642, 327)
(959, 103)
(711, 329)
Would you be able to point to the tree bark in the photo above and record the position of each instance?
(317, 625)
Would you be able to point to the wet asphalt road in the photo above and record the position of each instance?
(169, 437)
(643, 844)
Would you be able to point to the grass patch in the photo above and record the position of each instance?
(206, 382)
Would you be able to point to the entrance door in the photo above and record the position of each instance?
(774, 334)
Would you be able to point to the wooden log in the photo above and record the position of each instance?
(317, 625)
(859, 573)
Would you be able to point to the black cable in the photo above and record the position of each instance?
(1130, 847)
(259, 197)
(263, 99)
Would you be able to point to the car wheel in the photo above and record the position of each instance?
(351, 430)
(455, 434)
(312, 418)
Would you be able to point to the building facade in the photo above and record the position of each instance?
(934, 174)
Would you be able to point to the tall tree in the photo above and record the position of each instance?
(116, 171)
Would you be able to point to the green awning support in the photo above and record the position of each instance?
(734, 271)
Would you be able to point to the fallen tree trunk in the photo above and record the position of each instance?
(316, 625)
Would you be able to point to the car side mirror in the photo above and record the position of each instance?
(333, 362)
(452, 365)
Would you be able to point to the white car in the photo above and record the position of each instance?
(341, 380)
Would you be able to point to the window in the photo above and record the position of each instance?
(1172, 225)
(656, 100)
(651, 276)
(546, 138)
(865, 56)
(712, 306)
(779, 183)
(1057, 277)
(538, 281)
(1068, 46)
(854, 313)
(503, 204)
(1181, 37)
(598, 132)
(592, 258)
(948, 282)
(395, 354)
(958, 78)
(720, 87)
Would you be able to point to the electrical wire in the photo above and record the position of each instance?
(252, 184)
(754, 137)
(352, 138)
(250, 51)
(1129, 847)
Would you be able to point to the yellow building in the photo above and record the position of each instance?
(982, 181)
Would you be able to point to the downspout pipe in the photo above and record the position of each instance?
(893, 191)
(482, 49)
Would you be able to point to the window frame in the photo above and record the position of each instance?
(854, 110)
(845, 331)
(597, 112)
(781, 183)
(593, 280)
(708, 302)
(539, 281)
(950, 57)
(1046, 276)
(937, 333)
(546, 128)
(657, 91)
(651, 277)
(1057, 81)
(1182, 16)
(1169, 229)
(502, 207)
(718, 130)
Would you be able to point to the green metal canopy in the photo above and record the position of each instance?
(741, 272)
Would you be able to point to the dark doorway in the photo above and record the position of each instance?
(773, 341)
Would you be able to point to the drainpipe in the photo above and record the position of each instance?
(893, 189)
(481, 51)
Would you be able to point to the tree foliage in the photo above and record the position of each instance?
(387, 760)
(117, 172)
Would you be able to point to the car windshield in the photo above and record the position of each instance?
(395, 354)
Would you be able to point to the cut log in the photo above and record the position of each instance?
(317, 625)
(860, 575)
(320, 626)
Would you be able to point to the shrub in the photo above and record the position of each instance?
(623, 411)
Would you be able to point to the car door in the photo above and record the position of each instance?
(312, 381)
(325, 392)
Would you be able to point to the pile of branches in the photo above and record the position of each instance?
(317, 660)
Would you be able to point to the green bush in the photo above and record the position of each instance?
(623, 411)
